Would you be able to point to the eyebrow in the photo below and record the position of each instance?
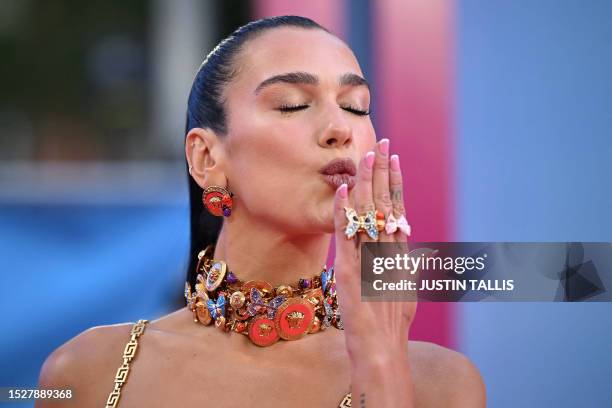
(309, 79)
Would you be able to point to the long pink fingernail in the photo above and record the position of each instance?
(369, 160)
(383, 146)
(343, 191)
(395, 162)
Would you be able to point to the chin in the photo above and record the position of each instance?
(319, 217)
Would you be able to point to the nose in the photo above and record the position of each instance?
(336, 135)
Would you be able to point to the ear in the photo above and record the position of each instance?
(205, 156)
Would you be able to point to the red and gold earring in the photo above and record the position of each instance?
(218, 201)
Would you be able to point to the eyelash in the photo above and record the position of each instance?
(294, 108)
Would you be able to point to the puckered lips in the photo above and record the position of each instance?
(340, 171)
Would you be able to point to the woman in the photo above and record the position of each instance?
(279, 139)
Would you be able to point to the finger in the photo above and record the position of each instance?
(341, 201)
(347, 252)
(347, 258)
(396, 187)
(380, 185)
(363, 189)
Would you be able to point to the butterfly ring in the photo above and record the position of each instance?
(360, 223)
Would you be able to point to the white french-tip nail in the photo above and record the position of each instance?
(369, 159)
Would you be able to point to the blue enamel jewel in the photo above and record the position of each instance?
(257, 304)
(216, 309)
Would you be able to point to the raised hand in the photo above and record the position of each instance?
(376, 332)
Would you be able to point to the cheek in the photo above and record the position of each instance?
(368, 141)
(266, 136)
(269, 152)
(268, 162)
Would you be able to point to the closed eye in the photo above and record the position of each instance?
(356, 111)
(294, 108)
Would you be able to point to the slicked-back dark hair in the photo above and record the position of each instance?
(206, 109)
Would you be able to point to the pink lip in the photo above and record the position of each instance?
(340, 171)
(336, 180)
(339, 166)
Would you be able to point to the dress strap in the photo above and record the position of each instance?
(128, 355)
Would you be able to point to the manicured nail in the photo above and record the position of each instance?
(395, 162)
(383, 146)
(343, 191)
(369, 160)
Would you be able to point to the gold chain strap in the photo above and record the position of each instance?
(128, 354)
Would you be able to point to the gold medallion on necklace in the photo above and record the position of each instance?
(314, 296)
(237, 299)
(215, 275)
(294, 318)
(202, 312)
(262, 331)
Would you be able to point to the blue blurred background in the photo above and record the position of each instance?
(93, 194)
(534, 124)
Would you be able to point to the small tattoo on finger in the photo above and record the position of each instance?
(397, 195)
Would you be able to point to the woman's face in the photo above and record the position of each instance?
(274, 157)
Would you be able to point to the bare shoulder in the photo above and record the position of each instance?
(444, 377)
(86, 364)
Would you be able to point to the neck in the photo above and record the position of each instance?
(254, 251)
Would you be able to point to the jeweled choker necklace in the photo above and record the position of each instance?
(257, 309)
